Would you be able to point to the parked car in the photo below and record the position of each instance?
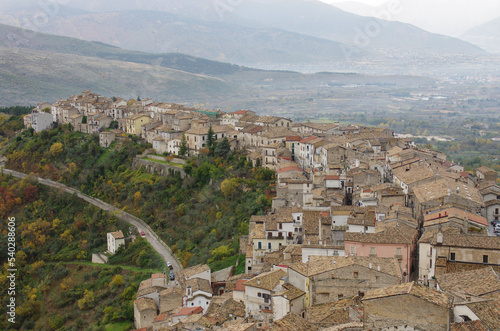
(496, 229)
(171, 275)
(170, 266)
(143, 234)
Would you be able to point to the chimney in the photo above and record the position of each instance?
(258, 281)
(378, 268)
(439, 239)
(370, 265)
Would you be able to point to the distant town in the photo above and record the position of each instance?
(367, 230)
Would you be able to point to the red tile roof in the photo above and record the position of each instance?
(160, 317)
(289, 169)
(188, 311)
(159, 275)
(239, 285)
(305, 140)
(456, 213)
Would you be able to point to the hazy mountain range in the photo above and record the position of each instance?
(486, 35)
(250, 32)
(449, 17)
(37, 67)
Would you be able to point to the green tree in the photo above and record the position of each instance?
(56, 149)
(183, 147)
(210, 141)
(229, 186)
(223, 148)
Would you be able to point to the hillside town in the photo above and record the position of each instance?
(367, 231)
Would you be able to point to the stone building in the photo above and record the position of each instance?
(407, 307)
(328, 279)
(451, 252)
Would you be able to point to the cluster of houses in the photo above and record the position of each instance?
(367, 231)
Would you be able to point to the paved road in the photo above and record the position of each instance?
(158, 245)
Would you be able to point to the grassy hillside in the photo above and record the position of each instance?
(217, 199)
(11, 36)
(27, 77)
(56, 284)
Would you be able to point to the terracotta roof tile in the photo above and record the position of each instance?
(187, 311)
(474, 282)
(239, 285)
(470, 241)
(444, 216)
(433, 296)
(145, 303)
(320, 264)
(442, 186)
(118, 234)
(194, 270)
(267, 281)
(488, 312)
(476, 325)
(290, 292)
(292, 321)
(391, 235)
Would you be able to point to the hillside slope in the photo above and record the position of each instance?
(31, 77)
(158, 32)
(11, 36)
(486, 35)
(307, 17)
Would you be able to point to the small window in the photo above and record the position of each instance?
(377, 278)
(485, 258)
(361, 294)
(340, 296)
(373, 251)
(259, 245)
(259, 295)
(269, 245)
(452, 256)
(355, 274)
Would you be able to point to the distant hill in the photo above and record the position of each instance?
(310, 17)
(15, 37)
(322, 20)
(158, 32)
(28, 77)
(486, 35)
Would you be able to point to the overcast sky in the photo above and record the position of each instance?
(450, 17)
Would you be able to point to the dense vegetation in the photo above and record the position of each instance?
(53, 230)
(195, 216)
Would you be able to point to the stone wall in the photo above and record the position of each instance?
(158, 168)
(328, 286)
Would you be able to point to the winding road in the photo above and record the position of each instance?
(158, 245)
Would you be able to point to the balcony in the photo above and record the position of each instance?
(398, 256)
(275, 237)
